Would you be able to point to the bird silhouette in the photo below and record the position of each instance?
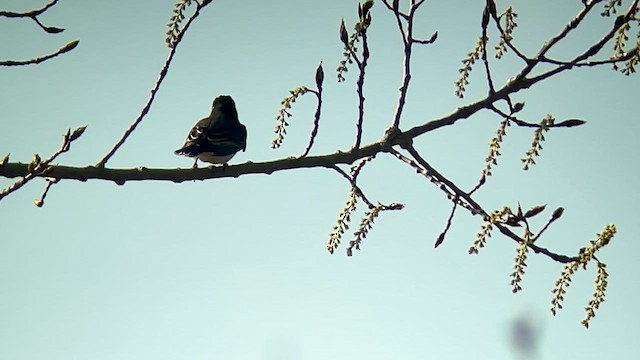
(218, 137)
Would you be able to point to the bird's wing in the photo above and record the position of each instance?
(224, 140)
(193, 142)
(217, 137)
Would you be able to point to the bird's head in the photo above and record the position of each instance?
(224, 102)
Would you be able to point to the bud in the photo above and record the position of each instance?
(319, 76)
(571, 123)
(557, 213)
(439, 240)
(534, 211)
(77, 133)
(366, 7)
(344, 36)
(518, 106)
(70, 46)
(433, 37)
(53, 29)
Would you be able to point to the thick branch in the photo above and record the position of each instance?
(120, 176)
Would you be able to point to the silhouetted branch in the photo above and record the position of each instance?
(156, 87)
(506, 35)
(465, 200)
(29, 14)
(37, 167)
(362, 66)
(614, 60)
(50, 182)
(316, 117)
(70, 46)
(408, 40)
(442, 235)
(490, 9)
(121, 176)
(354, 185)
(594, 49)
(33, 15)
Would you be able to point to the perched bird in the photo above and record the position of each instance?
(217, 138)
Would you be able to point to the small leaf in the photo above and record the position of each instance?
(70, 46)
(534, 211)
(77, 133)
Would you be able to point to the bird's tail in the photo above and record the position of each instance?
(185, 150)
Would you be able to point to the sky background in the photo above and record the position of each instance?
(237, 268)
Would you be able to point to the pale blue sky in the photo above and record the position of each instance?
(236, 268)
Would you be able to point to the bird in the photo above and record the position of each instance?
(218, 137)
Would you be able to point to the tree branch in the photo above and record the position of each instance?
(33, 15)
(70, 46)
(38, 167)
(120, 176)
(29, 14)
(156, 87)
(468, 203)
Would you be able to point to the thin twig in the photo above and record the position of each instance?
(522, 123)
(475, 208)
(408, 40)
(593, 63)
(489, 8)
(29, 14)
(496, 20)
(548, 45)
(442, 235)
(359, 89)
(591, 51)
(33, 15)
(316, 122)
(156, 87)
(399, 17)
(40, 167)
(50, 182)
(70, 46)
(353, 183)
